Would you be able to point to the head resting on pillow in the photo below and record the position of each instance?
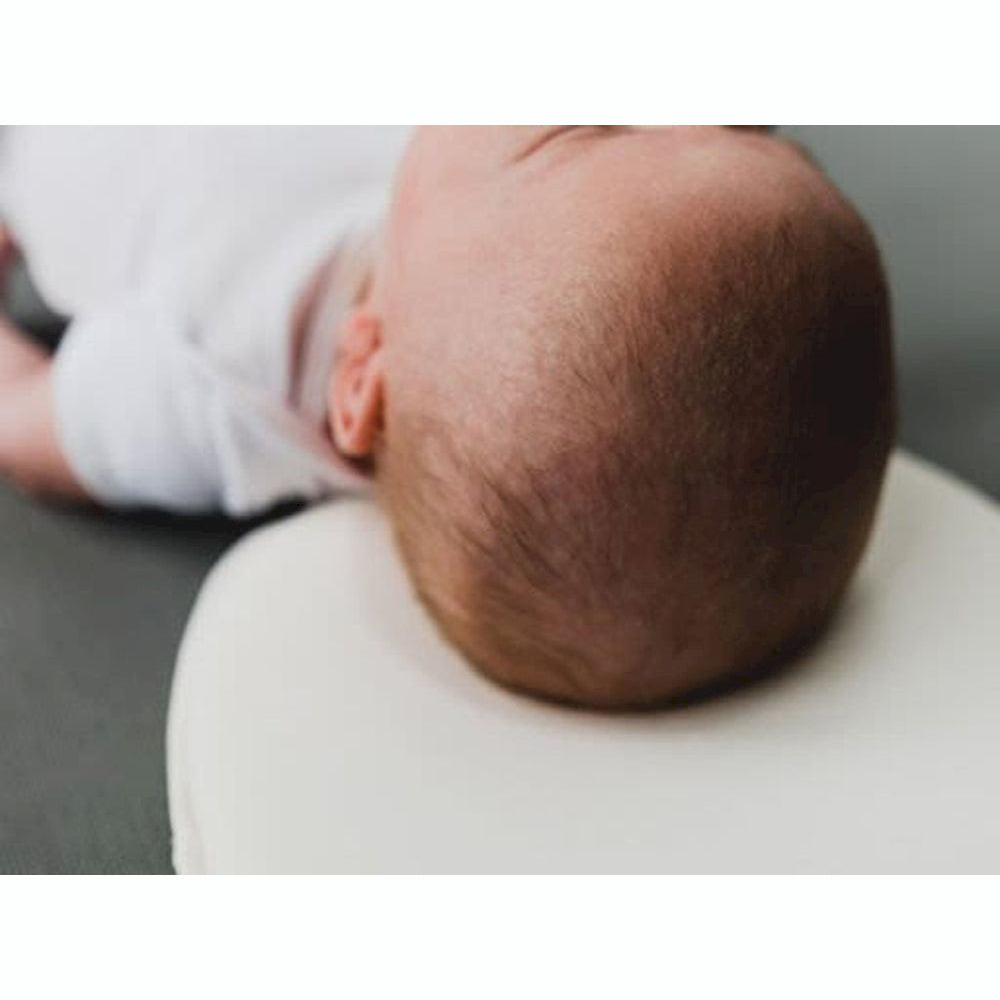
(628, 395)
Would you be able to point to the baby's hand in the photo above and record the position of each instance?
(30, 453)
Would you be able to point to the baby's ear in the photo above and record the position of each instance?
(356, 389)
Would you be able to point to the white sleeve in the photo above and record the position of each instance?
(147, 419)
(131, 409)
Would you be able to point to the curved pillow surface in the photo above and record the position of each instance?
(319, 724)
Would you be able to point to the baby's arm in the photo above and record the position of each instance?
(135, 411)
(29, 450)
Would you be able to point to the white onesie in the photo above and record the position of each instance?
(180, 254)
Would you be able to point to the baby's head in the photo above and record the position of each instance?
(629, 398)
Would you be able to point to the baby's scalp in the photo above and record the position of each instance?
(654, 462)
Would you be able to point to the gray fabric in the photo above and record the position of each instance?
(91, 609)
(932, 196)
(21, 300)
(92, 606)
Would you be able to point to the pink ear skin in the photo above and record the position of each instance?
(356, 391)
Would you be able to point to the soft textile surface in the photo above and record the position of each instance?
(91, 611)
(318, 724)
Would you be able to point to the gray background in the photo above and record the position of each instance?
(92, 606)
(932, 195)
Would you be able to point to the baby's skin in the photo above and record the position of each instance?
(625, 393)
(466, 191)
(29, 451)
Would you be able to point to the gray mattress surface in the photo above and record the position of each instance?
(91, 610)
(92, 606)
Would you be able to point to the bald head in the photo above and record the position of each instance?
(637, 446)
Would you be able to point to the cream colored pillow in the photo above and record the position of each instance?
(319, 724)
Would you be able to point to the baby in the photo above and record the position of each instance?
(625, 393)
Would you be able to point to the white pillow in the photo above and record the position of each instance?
(318, 724)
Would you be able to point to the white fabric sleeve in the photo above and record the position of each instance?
(131, 410)
(147, 418)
